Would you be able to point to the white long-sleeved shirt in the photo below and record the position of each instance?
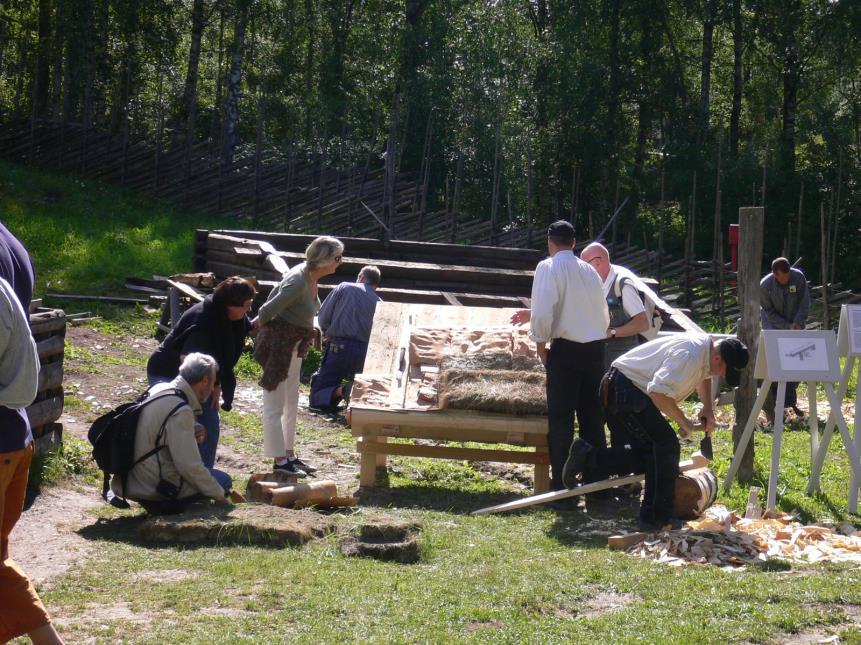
(671, 365)
(19, 358)
(567, 301)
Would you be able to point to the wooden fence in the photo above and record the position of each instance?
(48, 327)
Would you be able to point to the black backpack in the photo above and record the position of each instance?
(112, 436)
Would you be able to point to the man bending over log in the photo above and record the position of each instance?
(640, 388)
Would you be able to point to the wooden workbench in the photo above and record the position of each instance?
(399, 418)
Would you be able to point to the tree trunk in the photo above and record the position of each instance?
(219, 79)
(234, 83)
(706, 76)
(737, 84)
(791, 78)
(43, 60)
(614, 90)
(189, 95)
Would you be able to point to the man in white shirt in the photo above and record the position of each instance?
(649, 380)
(627, 311)
(570, 313)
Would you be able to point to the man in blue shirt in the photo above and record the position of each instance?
(345, 318)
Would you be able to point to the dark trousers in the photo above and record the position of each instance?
(343, 359)
(646, 443)
(790, 399)
(574, 372)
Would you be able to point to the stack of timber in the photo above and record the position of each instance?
(48, 327)
(413, 272)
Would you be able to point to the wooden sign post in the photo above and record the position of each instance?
(848, 346)
(787, 356)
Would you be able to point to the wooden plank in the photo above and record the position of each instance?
(622, 542)
(696, 461)
(463, 420)
(452, 452)
(456, 433)
(186, 290)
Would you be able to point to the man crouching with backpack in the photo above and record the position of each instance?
(174, 475)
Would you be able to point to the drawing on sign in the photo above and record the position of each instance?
(802, 352)
(807, 354)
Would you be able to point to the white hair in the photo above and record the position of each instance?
(197, 367)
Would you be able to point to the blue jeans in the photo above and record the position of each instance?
(343, 359)
(209, 419)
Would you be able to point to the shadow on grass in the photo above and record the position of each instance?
(592, 523)
(432, 498)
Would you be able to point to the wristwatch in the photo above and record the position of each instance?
(613, 332)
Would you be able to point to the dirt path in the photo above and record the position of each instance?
(44, 542)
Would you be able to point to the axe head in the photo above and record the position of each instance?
(706, 448)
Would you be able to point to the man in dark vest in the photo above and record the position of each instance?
(628, 317)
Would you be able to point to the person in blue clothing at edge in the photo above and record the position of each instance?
(345, 319)
(218, 327)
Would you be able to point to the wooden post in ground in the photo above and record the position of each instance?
(751, 224)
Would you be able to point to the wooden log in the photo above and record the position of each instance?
(452, 452)
(51, 346)
(751, 227)
(50, 376)
(48, 438)
(696, 490)
(47, 322)
(315, 492)
(45, 411)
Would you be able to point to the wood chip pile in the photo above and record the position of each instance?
(723, 539)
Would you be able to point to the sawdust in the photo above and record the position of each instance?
(723, 539)
(506, 391)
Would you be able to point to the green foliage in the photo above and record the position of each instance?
(311, 363)
(532, 110)
(86, 237)
(72, 460)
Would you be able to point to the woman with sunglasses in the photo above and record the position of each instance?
(286, 328)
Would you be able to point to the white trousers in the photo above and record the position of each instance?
(279, 412)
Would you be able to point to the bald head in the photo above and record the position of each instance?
(597, 255)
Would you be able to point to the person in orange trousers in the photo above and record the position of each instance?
(21, 610)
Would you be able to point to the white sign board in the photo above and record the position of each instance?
(796, 355)
(849, 332)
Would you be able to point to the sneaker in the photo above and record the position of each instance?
(289, 467)
(301, 465)
(572, 473)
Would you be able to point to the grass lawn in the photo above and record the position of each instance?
(532, 576)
